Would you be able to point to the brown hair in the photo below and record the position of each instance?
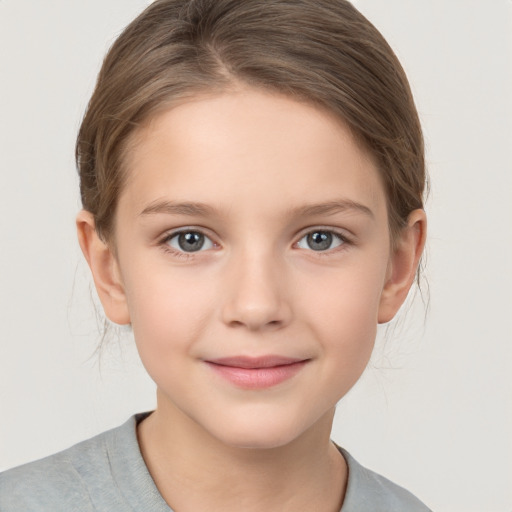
(321, 51)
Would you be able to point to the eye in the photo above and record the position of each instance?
(320, 240)
(189, 241)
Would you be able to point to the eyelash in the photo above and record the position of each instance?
(343, 239)
(164, 242)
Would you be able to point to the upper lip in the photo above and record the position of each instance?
(256, 362)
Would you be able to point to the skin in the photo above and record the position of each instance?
(257, 163)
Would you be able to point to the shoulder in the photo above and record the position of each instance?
(368, 491)
(70, 480)
(50, 482)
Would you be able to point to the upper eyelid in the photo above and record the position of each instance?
(344, 239)
(342, 233)
(171, 233)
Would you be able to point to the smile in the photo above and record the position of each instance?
(256, 373)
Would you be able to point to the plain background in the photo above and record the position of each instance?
(434, 410)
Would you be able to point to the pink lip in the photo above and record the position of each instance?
(256, 372)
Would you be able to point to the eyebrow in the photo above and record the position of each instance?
(330, 208)
(197, 209)
(173, 208)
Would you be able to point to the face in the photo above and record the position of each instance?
(252, 250)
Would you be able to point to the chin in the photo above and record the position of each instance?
(261, 434)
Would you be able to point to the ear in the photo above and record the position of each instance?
(104, 268)
(403, 265)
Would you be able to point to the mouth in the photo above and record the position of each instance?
(257, 372)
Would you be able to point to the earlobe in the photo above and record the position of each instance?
(403, 266)
(104, 269)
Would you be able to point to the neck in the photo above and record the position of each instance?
(195, 471)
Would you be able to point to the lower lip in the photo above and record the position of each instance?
(257, 378)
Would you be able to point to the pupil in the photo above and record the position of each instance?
(320, 240)
(191, 241)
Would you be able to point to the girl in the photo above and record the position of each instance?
(251, 176)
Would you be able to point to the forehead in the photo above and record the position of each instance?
(249, 149)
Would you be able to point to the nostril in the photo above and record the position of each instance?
(256, 325)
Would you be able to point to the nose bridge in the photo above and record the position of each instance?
(256, 290)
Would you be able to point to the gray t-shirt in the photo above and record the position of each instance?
(107, 474)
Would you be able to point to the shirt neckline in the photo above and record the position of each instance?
(136, 485)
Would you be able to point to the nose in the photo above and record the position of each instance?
(256, 294)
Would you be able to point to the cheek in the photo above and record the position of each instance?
(168, 311)
(342, 309)
(346, 334)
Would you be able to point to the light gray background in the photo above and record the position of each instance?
(434, 412)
